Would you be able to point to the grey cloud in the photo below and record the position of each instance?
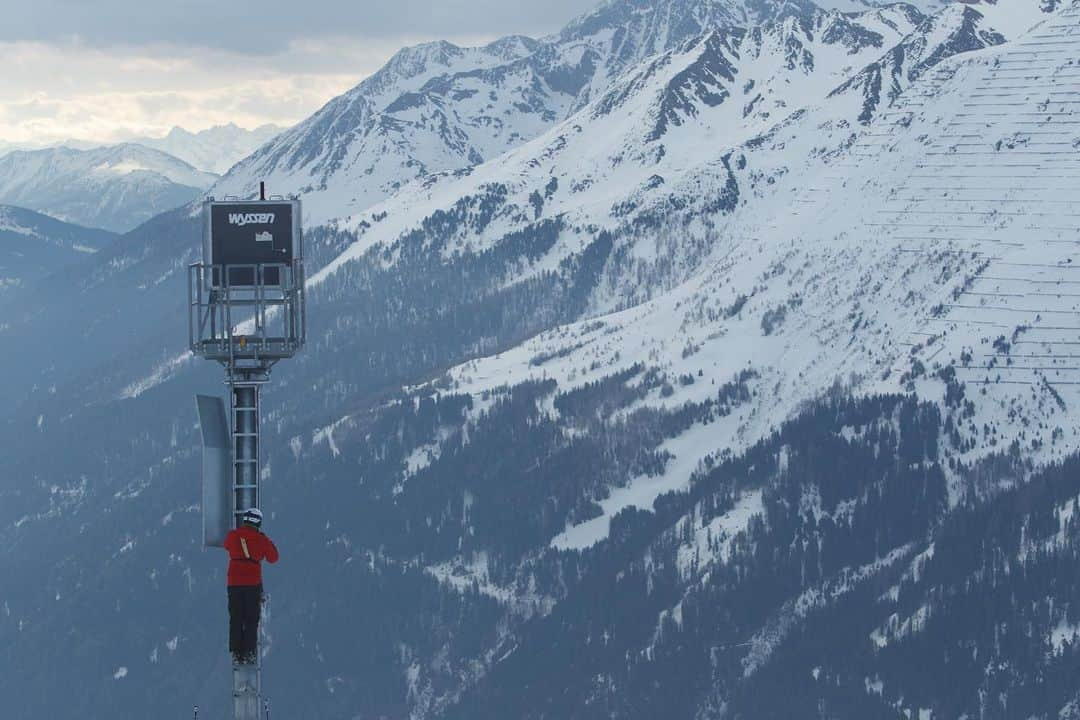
(162, 101)
(32, 110)
(267, 27)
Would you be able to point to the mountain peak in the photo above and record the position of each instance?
(178, 132)
(960, 28)
(661, 23)
(670, 22)
(512, 47)
(214, 149)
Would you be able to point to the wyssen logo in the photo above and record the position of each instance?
(251, 218)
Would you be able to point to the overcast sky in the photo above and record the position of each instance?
(107, 70)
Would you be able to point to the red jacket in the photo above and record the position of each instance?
(247, 549)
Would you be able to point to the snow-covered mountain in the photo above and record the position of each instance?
(660, 172)
(799, 332)
(6, 147)
(931, 256)
(115, 188)
(962, 27)
(434, 107)
(737, 391)
(213, 150)
(928, 7)
(438, 107)
(660, 143)
(33, 246)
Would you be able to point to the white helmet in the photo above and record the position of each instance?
(253, 516)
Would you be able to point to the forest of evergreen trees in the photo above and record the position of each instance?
(871, 601)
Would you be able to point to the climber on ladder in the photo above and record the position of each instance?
(247, 547)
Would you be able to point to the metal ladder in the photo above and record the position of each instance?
(244, 393)
(247, 690)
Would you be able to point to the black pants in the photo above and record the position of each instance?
(245, 606)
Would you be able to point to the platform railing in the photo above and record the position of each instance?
(246, 314)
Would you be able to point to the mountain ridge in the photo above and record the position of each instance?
(451, 108)
(114, 187)
(34, 246)
(213, 150)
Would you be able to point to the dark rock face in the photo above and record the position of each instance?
(705, 81)
(882, 82)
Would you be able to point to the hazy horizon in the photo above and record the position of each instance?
(111, 72)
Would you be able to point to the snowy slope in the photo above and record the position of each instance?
(213, 150)
(871, 270)
(114, 187)
(351, 151)
(932, 255)
(659, 144)
(662, 124)
(682, 159)
(962, 27)
(926, 6)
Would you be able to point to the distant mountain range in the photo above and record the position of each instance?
(213, 150)
(115, 187)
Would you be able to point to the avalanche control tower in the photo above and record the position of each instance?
(246, 311)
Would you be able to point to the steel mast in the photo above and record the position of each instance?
(246, 311)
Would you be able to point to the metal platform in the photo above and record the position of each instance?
(250, 325)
